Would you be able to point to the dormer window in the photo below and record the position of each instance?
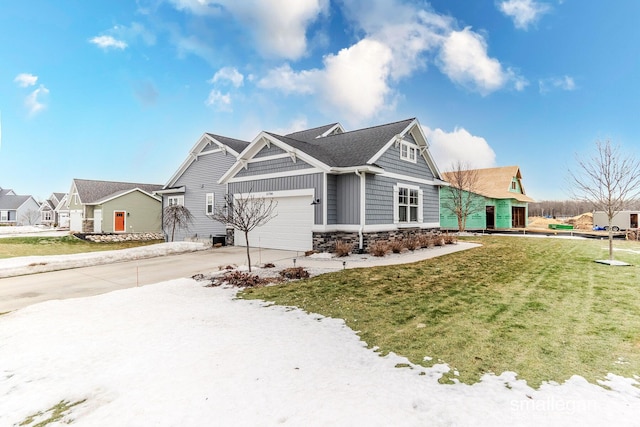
(408, 152)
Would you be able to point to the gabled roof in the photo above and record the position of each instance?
(319, 132)
(236, 145)
(92, 192)
(352, 148)
(231, 145)
(7, 192)
(13, 202)
(495, 183)
(339, 151)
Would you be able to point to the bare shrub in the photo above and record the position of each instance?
(379, 248)
(438, 241)
(343, 248)
(242, 280)
(396, 246)
(294, 273)
(412, 243)
(425, 241)
(450, 239)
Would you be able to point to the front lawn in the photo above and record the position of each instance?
(44, 246)
(540, 307)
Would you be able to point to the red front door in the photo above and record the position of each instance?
(119, 221)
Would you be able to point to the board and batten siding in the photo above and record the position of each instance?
(272, 166)
(201, 178)
(380, 203)
(348, 199)
(332, 215)
(391, 162)
(297, 182)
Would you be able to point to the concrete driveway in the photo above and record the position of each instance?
(21, 291)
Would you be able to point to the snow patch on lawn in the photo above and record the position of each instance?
(178, 353)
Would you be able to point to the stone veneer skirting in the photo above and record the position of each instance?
(325, 242)
(120, 237)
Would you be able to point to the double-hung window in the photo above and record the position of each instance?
(407, 204)
(209, 204)
(408, 152)
(175, 200)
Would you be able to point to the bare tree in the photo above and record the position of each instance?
(245, 214)
(176, 216)
(609, 180)
(461, 198)
(30, 217)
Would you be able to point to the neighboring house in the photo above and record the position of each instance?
(114, 207)
(359, 186)
(18, 210)
(195, 185)
(500, 201)
(54, 211)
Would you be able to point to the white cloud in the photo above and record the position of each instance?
(25, 79)
(219, 101)
(107, 42)
(228, 74)
(465, 61)
(34, 102)
(296, 125)
(562, 83)
(285, 79)
(448, 148)
(353, 83)
(523, 12)
(398, 39)
(278, 26)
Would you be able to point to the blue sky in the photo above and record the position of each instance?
(122, 90)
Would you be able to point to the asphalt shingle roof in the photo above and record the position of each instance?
(91, 191)
(309, 135)
(11, 202)
(235, 144)
(346, 149)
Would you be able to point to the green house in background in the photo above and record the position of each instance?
(499, 200)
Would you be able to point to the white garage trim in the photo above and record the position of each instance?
(290, 229)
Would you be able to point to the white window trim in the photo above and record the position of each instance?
(179, 200)
(396, 204)
(410, 148)
(208, 206)
(4, 216)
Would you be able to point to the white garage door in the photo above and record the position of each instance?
(75, 221)
(289, 230)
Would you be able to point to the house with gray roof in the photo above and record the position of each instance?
(54, 211)
(329, 184)
(114, 207)
(18, 210)
(195, 186)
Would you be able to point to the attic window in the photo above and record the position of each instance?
(408, 152)
(513, 185)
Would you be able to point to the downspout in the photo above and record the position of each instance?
(362, 209)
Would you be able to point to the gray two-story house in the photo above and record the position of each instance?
(329, 185)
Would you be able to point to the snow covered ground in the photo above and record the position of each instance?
(180, 354)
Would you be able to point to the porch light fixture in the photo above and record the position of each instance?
(315, 202)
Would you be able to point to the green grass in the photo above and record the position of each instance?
(53, 414)
(29, 246)
(540, 307)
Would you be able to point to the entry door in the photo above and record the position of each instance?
(633, 220)
(118, 222)
(491, 217)
(517, 217)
